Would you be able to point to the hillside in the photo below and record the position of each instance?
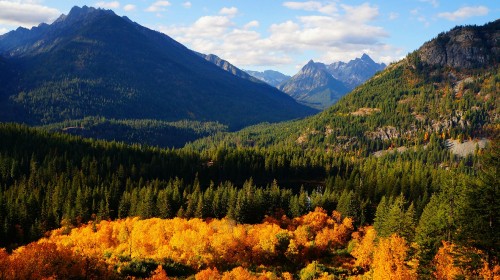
(95, 63)
(143, 132)
(405, 104)
(224, 64)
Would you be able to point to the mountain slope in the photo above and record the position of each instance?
(314, 86)
(356, 71)
(224, 64)
(94, 63)
(271, 77)
(409, 104)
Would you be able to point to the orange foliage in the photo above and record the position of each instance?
(4, 263)
(287, 276)
(45, 260)
(97, 250)
(197, 243)
(453, 261)
(363, 252)
(240, 273)
(390, 260)
(208, 274)
(159, 274)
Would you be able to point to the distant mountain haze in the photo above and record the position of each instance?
(92, 62)
(271, 77)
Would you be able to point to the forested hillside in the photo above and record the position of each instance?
(144, 132)
(402, 106)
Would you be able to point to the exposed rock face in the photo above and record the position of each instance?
(224, 64)
(464, 47)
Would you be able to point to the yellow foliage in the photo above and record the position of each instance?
(453, 262)
(159, 274)
(239, 273)
(389, 260)
(208, 274)
(363, 252)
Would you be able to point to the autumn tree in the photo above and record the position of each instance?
(391, 260)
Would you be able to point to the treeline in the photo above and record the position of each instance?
(145, 132)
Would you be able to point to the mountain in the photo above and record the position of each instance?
(314, 86)
(464, 47)
(224, 64)
(442, 93)
(92, 62)
(319, 86)
(356, 71)
(271, 77)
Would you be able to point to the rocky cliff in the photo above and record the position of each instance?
(464, 47)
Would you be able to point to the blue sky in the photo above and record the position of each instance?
(280, 35)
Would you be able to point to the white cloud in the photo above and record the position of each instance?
(465, 12)
(341, 36)
(313, 6)
(251, 24)
(108, 5)
(187, 5)
(3, 30)
(129, 7)
(158, 6)
(232, 11)
(26, 14)
(434, 3)
(361, 13)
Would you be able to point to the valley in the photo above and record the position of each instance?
(126, 155)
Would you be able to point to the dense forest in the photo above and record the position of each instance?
(146, 132)
(423, 196)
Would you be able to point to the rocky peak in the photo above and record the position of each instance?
(464, 47)
(84, 13)
(313, 68)
(366, 57)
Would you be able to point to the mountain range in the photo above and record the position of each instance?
(356, 71)
(271, 77)
(319, 85)
(316, 85)
(92, 62)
